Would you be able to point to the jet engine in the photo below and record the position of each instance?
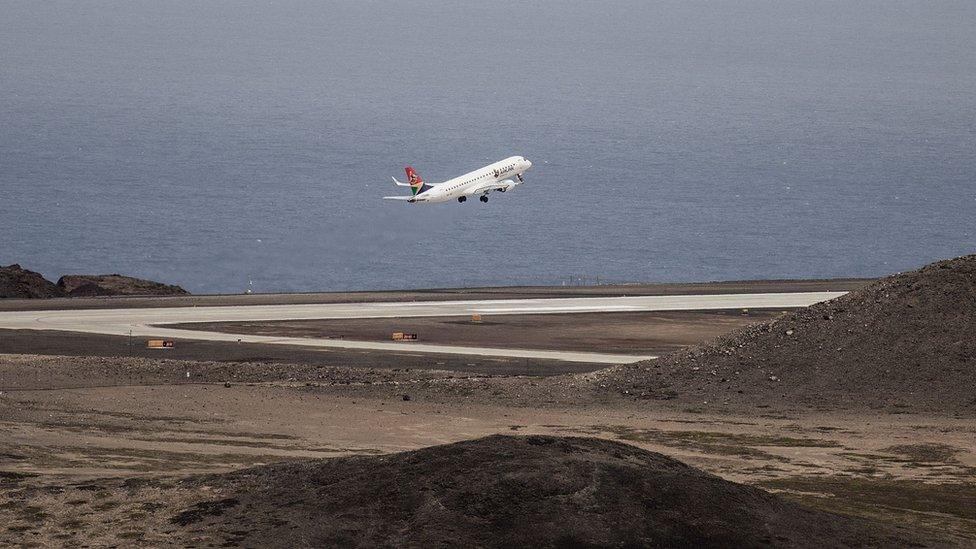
(509, 184)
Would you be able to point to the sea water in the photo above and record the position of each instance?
(218, 143)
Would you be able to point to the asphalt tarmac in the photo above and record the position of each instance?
(150, 322)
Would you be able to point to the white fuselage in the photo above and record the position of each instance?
(500, 176)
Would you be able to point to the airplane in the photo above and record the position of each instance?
(493, 177)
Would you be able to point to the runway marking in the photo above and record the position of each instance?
(398, 348)
(566, 309)
(152, 322)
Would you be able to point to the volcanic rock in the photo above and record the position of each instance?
(16, 282)
(505, 491)
(114, 284)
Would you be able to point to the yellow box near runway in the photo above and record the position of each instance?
(476, 318)
(160, 344)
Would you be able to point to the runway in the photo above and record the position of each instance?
(150, 322)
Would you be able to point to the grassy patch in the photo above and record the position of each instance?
(14, 476)
(924, 453)
(202, 510)
(223, 442)
(937, 457)
(135, 459)
(152, 506)
(754, 440)
(718, 438)
(106, 505)
(32, 513)
(717, 443)
(12, 504)
(948, 507)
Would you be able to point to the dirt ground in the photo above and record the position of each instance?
(95, 445)
(73, 419)
(903, 343)
(652, 333)
(495, 491)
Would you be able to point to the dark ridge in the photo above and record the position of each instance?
(504, 491)
(114, 284)
(16, 282)
(19, 283)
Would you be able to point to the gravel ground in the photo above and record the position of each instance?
(903, 344)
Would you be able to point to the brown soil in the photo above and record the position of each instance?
(626, 333)
(71, 419)
(19, 283)
(115, 285)
(906, 343)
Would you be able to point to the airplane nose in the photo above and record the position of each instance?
(528, 164)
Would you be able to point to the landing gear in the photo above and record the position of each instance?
(462, 198)
(519, 176)
(483, 198)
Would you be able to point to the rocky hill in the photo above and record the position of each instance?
(504, 491)
(904, 343)
(114, 284)
(17, 282)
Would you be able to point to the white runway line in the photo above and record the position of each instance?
(547, 310)
(152, 322)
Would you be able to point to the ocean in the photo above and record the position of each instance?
(222, 145)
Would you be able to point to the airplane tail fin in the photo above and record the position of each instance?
(416, 183)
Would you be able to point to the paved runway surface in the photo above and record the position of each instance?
(147, 322)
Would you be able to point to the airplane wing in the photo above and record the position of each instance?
(488, 188)
(400, 184)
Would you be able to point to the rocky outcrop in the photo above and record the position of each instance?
(114, 284)
(17, 282)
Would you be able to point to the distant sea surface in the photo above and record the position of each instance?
(213, 143)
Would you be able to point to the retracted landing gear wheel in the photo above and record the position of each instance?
(484, 198)
(462, 198)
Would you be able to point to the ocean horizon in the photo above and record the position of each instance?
(224, 146)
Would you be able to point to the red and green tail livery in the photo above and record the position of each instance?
(417, 184)
(501, 176)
